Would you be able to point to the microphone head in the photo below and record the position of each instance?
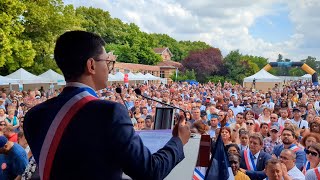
(118, 90)
(137, 91)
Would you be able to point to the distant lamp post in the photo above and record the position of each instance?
(176, 74)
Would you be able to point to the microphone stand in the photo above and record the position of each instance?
(174, 107)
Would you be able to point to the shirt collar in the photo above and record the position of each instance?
(257, 155)
(78, 84)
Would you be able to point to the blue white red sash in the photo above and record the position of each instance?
(306, 167)
(294, 148)
(316, 170)
(249, 159)
(199, 173)
(52, 139)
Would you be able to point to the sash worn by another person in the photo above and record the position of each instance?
(306, 167)
(294, 148)
(76, 100)
(249, 159)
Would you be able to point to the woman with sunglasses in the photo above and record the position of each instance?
(250, 126)
(313, 157)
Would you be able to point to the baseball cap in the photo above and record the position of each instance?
(3, 141)
(296, 109)
(203, 113)
(275, 127)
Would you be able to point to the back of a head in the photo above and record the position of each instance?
(73, 49)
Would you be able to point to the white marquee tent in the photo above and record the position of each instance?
(53, 76)
(263, 79)
(151, 77)
(24, 77)
(7, 81)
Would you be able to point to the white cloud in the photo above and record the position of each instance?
(223, 24)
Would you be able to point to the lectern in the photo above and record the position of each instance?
(156, 139)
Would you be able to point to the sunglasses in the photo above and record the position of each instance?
(249, 124)
(315, 154)
(2, 124)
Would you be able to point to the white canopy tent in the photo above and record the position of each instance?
(7, 81)
(151, 77)
(111, 77)
(141, 76)
(119, 76)
(133, 77)
(53, 76)
(262, 76)
(307, 76)
(24, 77)
(263, 80)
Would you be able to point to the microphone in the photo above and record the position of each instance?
(138, 92)
(119, 91)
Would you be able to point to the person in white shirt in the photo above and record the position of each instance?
(236, 108)
(269, 104)
(317, 104)
(313, 174)
(297, 120)
(283, 116)
(288, 158)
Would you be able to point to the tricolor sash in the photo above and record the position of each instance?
(316, 170)
(199, 173)
(249, 159)
(76, 101)
(294, 148)
(306, 167)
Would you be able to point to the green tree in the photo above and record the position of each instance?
(15, 50)
(280, 58)
(182, 76)
(312, 62)
(44, 21)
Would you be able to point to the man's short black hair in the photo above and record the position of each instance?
(73, 49)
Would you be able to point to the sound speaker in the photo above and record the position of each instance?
(163, 118)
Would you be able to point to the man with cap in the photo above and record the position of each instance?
(274, 139)
(213, 125)
(16, 158)
(203, 115)
(297, 120)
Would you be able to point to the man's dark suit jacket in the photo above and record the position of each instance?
(99, 143)
(261, 162)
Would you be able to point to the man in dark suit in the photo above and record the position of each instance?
(58, 129)
(253, 160)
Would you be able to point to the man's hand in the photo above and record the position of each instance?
(182, 130)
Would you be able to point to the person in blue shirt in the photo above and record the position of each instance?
(3, 167)
(17, 160)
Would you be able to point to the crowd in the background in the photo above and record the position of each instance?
(278, 127)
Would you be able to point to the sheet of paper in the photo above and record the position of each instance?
(155, 139)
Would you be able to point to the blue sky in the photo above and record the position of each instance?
(261, 28)
(274, 28)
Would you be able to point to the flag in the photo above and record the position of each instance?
(220, 167)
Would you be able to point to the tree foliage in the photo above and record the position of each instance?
(15, 50)
(29, 29)
(186, 75)
(205, 63)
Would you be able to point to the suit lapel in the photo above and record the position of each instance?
(260, 161)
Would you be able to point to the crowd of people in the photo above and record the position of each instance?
(268, 134)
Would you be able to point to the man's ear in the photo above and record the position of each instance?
(90, 66)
